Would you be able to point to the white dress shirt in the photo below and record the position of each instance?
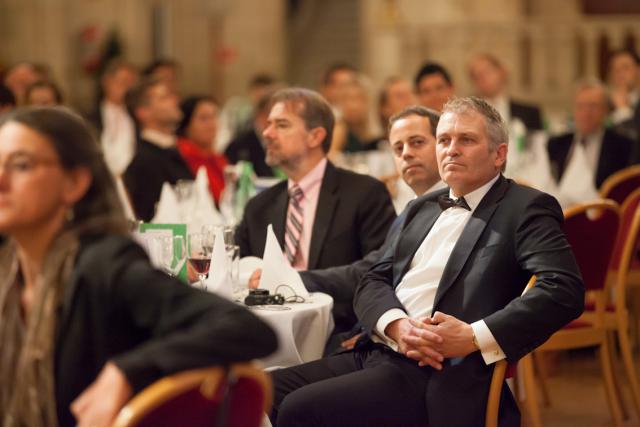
(417, 289)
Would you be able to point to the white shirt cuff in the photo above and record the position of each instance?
(621, 114)
(489, 347)
(384, 321)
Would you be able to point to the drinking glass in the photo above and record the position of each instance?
(199, 256)
(233, 258)
(174, 254)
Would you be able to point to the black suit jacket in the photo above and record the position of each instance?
(151, 167)
(616, 153)
(247, 146)
(117, 308)
(530, 115)
(353, 216)
(513, 233)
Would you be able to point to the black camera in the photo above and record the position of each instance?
(262, 297)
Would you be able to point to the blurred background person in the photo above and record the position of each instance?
(44, 94)
(196, 137)
(581, 160)
(69, 266)
(490, 78)
(112, 121)
(19, 77)
(157, 160)
(434, 86)
(249, 145)
(237, 115)
(167, 71)
(7, 100)
(624, 90)
(396, 94)
(363, 130)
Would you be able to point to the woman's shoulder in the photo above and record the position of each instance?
(103, 248)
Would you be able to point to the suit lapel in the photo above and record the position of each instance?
(469, 237)
(280, 206)
(327, 203)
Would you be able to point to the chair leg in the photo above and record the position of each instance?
(625, 350)
(531, 398)
(541, 369)
(607, 374)
(616, 380)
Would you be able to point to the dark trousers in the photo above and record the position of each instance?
(373, 386)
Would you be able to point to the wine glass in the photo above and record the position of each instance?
(199, 256)
(209, 232)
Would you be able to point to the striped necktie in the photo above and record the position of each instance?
(294, 224)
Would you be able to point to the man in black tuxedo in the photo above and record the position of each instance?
(341, 216)
(444, 303)
(157, 160)
(489, 78)
(603, 150)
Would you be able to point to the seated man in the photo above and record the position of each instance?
(443, 304)
(412, 137)
(323, 216)
(592, 152)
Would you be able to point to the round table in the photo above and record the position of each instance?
(302, 329)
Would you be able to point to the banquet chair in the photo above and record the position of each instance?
(591, 229)
(502, 371)
(620, 184)
(616, 316)
(236, 397)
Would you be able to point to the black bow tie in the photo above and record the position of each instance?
(447, 202)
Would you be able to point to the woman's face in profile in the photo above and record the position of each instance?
(32, 181)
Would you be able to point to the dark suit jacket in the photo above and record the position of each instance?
(616, 153)
(247, 146)
(117, 308)
(514, 232)
(353, 216)
(340, 282)
(530, 115)
(151, 167)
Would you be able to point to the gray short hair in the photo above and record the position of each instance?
(495, 125)
(314, 110)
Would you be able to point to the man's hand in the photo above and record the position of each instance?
(254, 280)
(351, 342)
(416, 342)
(98, 405)
(457, 336)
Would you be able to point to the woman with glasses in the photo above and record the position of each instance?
(85, 321)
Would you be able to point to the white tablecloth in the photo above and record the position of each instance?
(302, 329)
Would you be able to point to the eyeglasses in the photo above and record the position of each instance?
(22, 163)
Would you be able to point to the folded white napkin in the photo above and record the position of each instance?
(276, 270)
(168, 210)
(203, 208)
(219, 280)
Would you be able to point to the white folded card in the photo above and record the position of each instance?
(276, 270)
(219, 280)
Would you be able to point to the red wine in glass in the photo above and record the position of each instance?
(200, 264)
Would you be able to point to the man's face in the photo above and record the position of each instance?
(399, 96)
(333, 90)
(162, 107)
(414, 150)
(590, 110)
(117, 84)
(286, 136)
(434, 91)
(624, 73)
(487, 79)
(465, 158)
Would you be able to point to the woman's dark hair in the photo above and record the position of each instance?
(76, 147)
(57, 94)
(188, 107)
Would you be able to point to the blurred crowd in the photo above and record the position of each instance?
(149, 129)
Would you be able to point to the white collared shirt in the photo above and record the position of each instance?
(592, 147)
(161, 139)
(417, 289)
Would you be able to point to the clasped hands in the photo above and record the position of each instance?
(429, 340)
